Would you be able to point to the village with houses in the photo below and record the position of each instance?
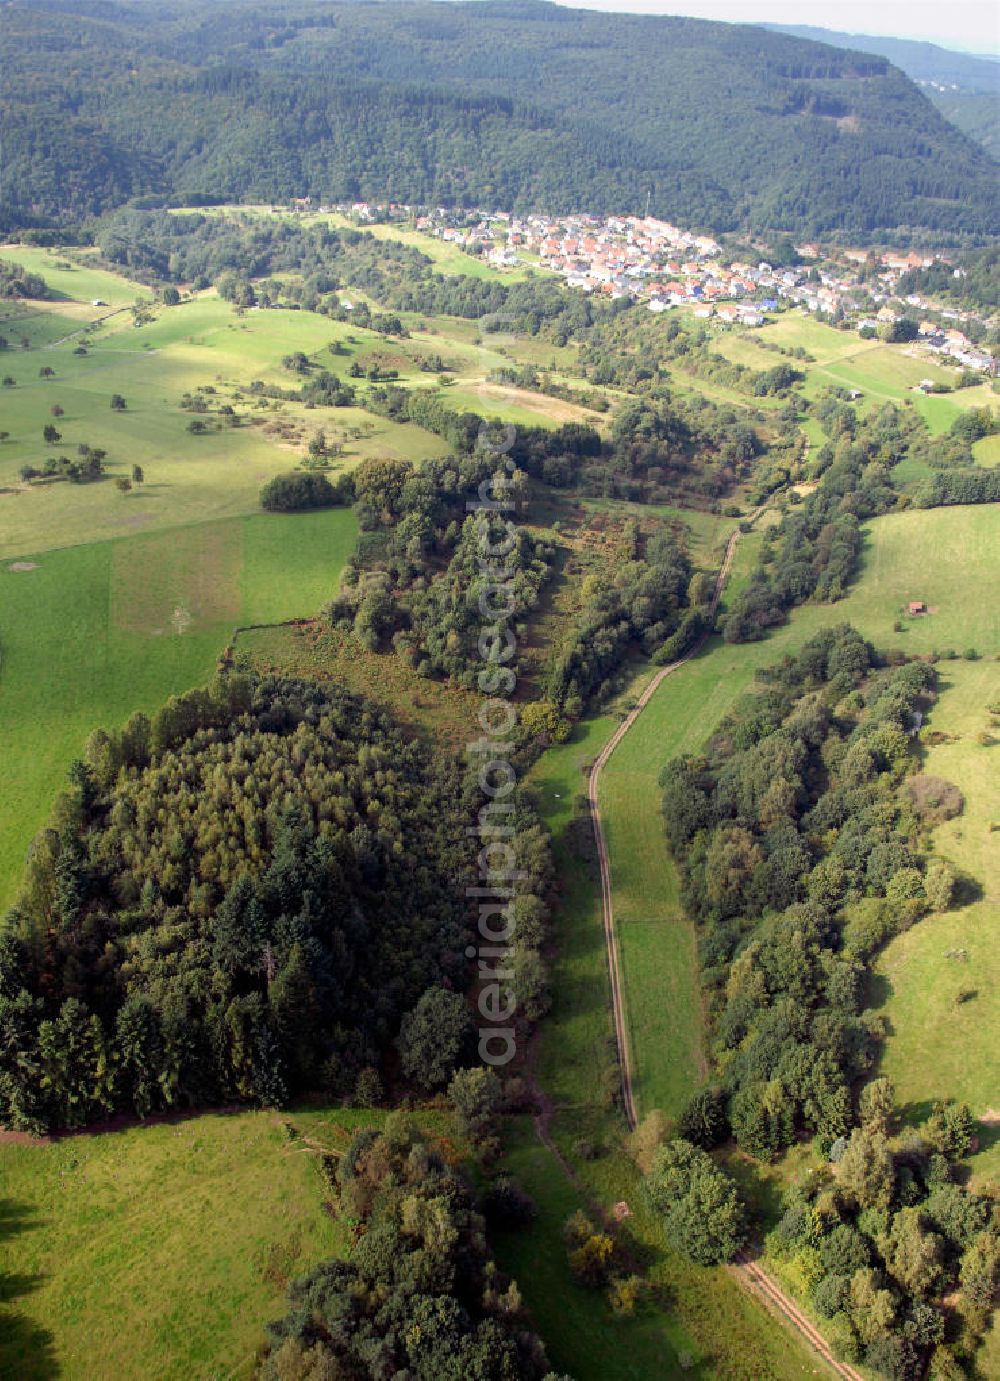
(646, 259)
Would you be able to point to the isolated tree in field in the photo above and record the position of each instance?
(138, 476)
(9, 381)
(171, 296)
(118, 403)
(435, 1037)
(939, 885)
(50, 435)
(123, 484)
(55, 410)
(46, 372)
(3, 437)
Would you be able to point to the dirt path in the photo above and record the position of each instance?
(593, 783)
(749, 1274)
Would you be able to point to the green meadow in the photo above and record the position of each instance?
(939, 556)
(701, 1323)
(72, 276)
(157, 1250)
(163, 1249)
(188, 477)
(939, 983)
(448, 259)
(883, 373)
(89, 634)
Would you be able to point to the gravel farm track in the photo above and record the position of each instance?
(749, 1274)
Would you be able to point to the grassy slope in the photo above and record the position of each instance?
(155, 1251)
(940, 1048)
(884, 373)
(93, 633)
(449, 259)
(188, 478)
(162, 1250)
(943, 551)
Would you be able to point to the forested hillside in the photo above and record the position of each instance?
(509, 104)
(965, 88)
(253, 894)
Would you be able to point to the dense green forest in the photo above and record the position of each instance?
(258, 892)
(801, 855)
(512, 103)
(964, 87)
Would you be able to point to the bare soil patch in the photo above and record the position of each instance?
(23, 566)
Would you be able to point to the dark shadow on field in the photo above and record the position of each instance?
(912, 1114)
(987, 1135)
(26, 1349)
(122, 1122)
(877, 990)
(967, 890)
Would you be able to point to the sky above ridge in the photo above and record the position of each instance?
(970, 25)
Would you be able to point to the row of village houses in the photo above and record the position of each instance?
(651, 260)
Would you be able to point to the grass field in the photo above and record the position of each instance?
(92, 633)
(884, 373)
(162, 1250)
(73, 278)
(939, 1047)
(155, 1251)
(189, 478)
(448, 259)
(945, 552)
(987, 451)
(702, 1314)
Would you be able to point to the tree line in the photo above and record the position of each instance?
(800, 857)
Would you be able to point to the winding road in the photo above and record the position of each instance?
(749, 1274)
